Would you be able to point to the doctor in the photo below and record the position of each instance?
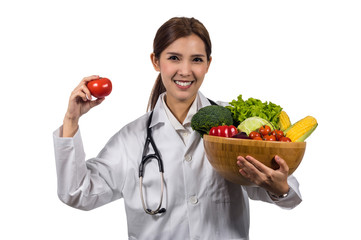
(190, 200)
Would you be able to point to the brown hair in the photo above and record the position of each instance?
(170, 31)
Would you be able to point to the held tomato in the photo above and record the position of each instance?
(100, 88)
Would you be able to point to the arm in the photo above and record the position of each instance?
(79, 103)
(88, 184)
(81, 184)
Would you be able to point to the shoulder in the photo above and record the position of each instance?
(135, 127)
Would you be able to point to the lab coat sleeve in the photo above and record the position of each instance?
(88, 184)
(292, 200)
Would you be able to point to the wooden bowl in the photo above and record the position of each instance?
(222, 153)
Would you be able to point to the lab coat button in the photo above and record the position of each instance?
(188, 158)
(193, 199)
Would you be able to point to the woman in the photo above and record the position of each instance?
(196, 202)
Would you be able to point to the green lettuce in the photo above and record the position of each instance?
(254, 108)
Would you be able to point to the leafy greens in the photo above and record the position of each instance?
(254, 108)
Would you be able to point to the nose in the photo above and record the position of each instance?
(185, 69)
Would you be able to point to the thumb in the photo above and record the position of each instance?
(282, 163)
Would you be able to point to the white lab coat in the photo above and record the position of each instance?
(200, 203)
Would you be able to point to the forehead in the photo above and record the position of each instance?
(187, 45)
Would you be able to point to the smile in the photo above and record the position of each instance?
(183, 83)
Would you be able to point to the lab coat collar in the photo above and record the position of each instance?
(160, 116)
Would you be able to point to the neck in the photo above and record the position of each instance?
(179, 108)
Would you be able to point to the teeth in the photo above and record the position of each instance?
(183, 83)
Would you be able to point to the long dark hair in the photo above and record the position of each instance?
(170, 31)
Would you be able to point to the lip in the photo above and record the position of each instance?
(184, 84)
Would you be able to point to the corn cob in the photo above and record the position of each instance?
(302, 129)
(284, 122)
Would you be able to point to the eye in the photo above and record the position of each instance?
(198, 59)
(173, 58)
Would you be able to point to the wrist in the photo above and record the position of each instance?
(70, 126)
(276, 197)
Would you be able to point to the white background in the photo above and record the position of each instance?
(302, 55)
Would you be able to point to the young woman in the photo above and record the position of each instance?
(189, 200)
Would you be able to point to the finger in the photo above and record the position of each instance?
(282, 163)
(96, 102)
(85, 89)
(248, 170)
(90, 78)
(77, 94)
(258, 165)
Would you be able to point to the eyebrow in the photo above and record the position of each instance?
(178, 54)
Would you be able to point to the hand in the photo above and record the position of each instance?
(80, 102)
(274, 181)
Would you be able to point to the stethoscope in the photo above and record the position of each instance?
(145, 159)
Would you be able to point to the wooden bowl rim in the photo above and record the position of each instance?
(250, 142)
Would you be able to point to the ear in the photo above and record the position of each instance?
(155, 62)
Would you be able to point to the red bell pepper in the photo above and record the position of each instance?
(223, 131)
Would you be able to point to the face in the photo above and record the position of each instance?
(183, 66)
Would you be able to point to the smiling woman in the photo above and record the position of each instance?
(195, 201)
(183, 66)
(169, 36)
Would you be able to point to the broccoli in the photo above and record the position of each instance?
(211, 116)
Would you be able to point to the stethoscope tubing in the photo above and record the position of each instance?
(145, 159)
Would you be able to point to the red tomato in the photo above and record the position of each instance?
(232, 131)
(285, 139)
(269, 138)
(257, 138)
(254, 134)
(223, 131)
(100, 88)
(278, 134)
(213, 131)
(265, 130)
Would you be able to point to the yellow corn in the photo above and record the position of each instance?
(302, 129)
(284, 121)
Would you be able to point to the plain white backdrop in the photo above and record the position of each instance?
(302, 55)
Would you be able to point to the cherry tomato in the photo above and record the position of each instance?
(278, 134)
(265, 130)
(257, 138)
(100, 88)
(285, 139)
(254, 134)
(269, 138)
